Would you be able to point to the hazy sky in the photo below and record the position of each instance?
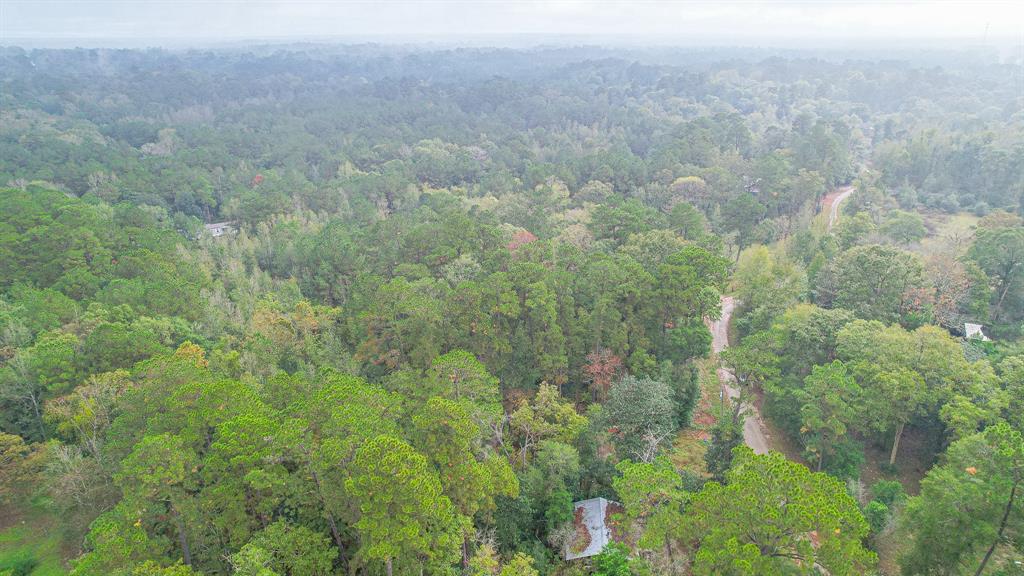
(156, 21)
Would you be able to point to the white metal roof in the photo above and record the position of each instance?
(974, 331)
(594, 511)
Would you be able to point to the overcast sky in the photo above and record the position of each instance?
(780, 23)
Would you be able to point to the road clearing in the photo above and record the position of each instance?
(753, 431)
(833, 214)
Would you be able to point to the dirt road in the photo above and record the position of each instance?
(753, 432)
(753, 429)
(833, 214)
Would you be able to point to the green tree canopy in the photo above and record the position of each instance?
(776, 517)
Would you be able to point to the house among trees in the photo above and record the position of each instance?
(974, 331)
(594, 527)
(220, 228)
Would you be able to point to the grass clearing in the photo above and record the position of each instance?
(949, 232)
(31, 544)
(692, 442)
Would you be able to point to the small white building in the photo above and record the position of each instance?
(973, 331)
(591, 519)
(217, 229)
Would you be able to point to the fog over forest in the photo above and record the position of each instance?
(528, 288)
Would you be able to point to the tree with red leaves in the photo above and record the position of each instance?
(521, 238)
(602, 368)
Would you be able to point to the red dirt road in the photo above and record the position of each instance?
(832, 202)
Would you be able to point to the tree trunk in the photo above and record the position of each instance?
(736, 421)
(1002, 528)
(999, 304)
(465, 554)
(323, 503)
(39, 416)
(387, 564)
(336, 535)
(330, 517)
(186, 552)
(896, 444)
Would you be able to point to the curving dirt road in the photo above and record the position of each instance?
(753, 432)
(833, 214)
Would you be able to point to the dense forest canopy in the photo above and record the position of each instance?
(458, 290)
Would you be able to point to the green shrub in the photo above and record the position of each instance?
(889, 492)
(18, 563)
(847, 459)
(612, 561)
(877, 516)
